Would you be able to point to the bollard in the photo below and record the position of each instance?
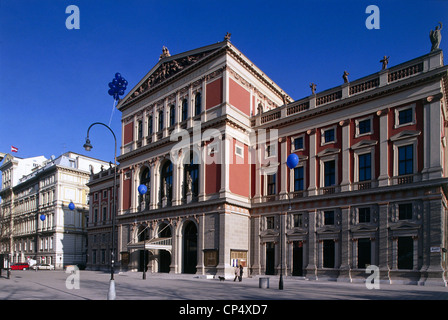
(263, 283)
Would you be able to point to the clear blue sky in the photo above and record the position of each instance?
(54, 81)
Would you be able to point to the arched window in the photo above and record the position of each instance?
(150, 125)
(184, 109)
(160, 120)
(191, 177)
(145, 179)
(172, 115)
(166, 181)
(198, 104)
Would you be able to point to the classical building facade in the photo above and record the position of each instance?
(208, 134)
(100, 222)
(36, 221)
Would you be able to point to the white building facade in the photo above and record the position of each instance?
(35, 207)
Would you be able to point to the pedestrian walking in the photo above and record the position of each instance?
(240, 277)
(237, 273)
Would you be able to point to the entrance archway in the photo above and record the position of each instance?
(143, 254)
(164, 255)
(190, 248)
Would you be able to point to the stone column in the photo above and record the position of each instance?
(383, 241)
(345, 183)
(383, 179)
(311, 268)
(312, 189)
(345, 243)
(432, 158)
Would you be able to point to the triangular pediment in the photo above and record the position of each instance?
(169, 67)
(364, 144)
(328, 151)
(405, 134)
(404, 225)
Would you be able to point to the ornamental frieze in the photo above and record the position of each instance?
(166, 71)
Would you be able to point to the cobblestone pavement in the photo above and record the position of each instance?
(93, 285)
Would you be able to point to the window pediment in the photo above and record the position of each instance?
(405, 134)
(328, 151)
(364, 144)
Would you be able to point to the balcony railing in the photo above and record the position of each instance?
(385, 77)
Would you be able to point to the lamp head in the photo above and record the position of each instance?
(87, 146)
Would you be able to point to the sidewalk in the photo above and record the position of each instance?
(94, 285)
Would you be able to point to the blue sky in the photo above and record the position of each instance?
(54, 81)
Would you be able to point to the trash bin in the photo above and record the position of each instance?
(263, 283)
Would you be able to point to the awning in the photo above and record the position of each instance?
(153, 244)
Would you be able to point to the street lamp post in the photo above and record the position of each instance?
(87, 146)
(142, 189)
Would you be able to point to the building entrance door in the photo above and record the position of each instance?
(190, 248)
(270, 258)
(297, 257)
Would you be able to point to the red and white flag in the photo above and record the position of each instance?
(14, 149)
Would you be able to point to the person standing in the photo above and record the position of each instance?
(240, 277)
(237, 273)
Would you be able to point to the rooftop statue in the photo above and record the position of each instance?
(345, 76)
(385, 61)
(165, 53)
(435, 37)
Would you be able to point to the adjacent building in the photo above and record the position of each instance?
(36, 221)
(100, 220)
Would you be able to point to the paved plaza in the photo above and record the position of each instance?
(94, 285)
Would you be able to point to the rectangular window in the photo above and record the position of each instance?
(95, 215)
(103, 256)
(239, 151)
(405, 211)
(364, 126)
(329, 136)
(140, 130)
(405, 256)
(270, 223)
(271, 184)
(104, 213)
(184, 110)
(405, 116)
(329, 173)
(150, 125)
(172, 115)
(328, 218)
(363, 215)
(365, 167)
(298, 220)
(160, 121)
(298, 143)
(405, 160)
(298, 179)
(364, 253)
